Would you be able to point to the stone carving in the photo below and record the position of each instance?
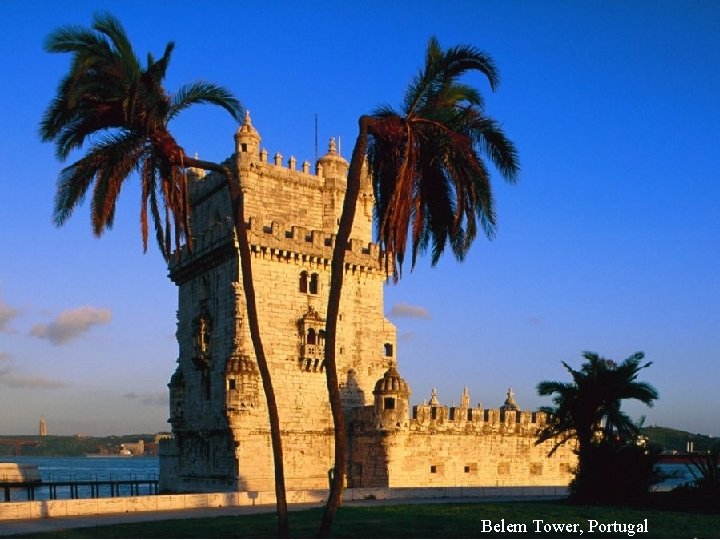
(218, 414)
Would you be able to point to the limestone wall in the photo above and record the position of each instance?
(158, 503)
(218, 410)
(482, 457)
(217, 404)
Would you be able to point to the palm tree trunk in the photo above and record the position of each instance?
(337, 267)
(238, 208)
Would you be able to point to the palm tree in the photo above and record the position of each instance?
(124, 109)
(429, 181)
(588, 408)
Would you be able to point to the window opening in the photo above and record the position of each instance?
(388, 349)
(389, 403)
(314, 283)
(303, 282)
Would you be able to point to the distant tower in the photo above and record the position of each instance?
(43, 427)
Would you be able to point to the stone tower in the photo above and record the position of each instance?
(217, 405)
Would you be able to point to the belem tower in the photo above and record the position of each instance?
(218, 414)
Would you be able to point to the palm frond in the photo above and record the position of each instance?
(201, 93)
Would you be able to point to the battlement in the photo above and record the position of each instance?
(475, 419)
(276, 240)
(217, 411)
(291, 213)
(433, 417)
(300, 243)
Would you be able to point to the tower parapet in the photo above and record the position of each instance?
(434, 416)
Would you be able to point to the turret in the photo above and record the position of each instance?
(247, 143)
(510, 404)
(392, 395)
(333, 169)
(332, 165)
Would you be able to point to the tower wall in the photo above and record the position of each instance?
(218, 410)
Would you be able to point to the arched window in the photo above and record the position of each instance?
(303, 282)
(314, 283)
(388, 349)
(321, 337)
(311, 336)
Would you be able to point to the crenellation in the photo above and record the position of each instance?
(217, 407)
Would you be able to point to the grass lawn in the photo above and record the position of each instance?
(427, 521)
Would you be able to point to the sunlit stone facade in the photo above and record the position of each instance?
(217, 405)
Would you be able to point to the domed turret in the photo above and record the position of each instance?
(392, 384)
(510, 404)
(332, 164)
(247, 140)
(392, 395)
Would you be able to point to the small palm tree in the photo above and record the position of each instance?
(109, 98)
(587, 409)
(429, 182)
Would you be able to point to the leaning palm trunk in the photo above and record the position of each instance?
(337, 267)
(238, 210)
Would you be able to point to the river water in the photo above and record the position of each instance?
(64, 469)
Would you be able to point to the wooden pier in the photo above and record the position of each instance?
(98, 488)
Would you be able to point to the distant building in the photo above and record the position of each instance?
(43, 427)
(217, 407)
(133, 449)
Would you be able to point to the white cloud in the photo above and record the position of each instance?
(7, 313)
(402, 309)
(71, 323)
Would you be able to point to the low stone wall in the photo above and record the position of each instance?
(154, 503)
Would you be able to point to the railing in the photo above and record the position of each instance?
(77, 489)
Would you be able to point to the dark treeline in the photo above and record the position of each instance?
(68, 446)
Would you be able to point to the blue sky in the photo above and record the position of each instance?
(608, 243)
